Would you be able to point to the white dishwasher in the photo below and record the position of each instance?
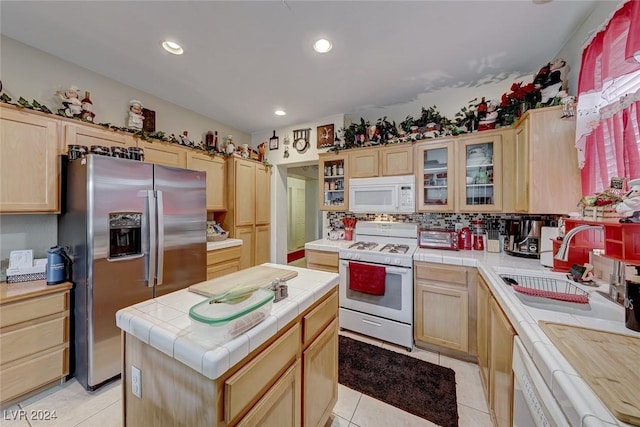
(533, 403)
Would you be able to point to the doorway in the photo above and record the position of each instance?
(303, 219)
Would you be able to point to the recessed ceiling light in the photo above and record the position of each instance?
(172, 47)
(280, 113)
(322, 46)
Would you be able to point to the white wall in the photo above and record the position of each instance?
(34, 74)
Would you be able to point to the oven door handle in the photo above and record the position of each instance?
(392, 270)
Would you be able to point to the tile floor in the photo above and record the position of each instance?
(75, 407)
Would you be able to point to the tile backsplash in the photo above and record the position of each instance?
(444, 221)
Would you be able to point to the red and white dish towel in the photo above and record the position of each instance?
(367, 278)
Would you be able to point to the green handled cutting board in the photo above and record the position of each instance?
(260, 275)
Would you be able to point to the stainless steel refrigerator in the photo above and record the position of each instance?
(134, 231)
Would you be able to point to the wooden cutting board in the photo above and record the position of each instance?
(607, 361)
(260, 275)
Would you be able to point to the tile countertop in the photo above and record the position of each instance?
(328, 245)
(226, 243)
(164, 323)
(579, 403)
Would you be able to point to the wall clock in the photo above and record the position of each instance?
(301, 139)
(325, 136)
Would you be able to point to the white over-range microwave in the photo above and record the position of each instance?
(387, 194)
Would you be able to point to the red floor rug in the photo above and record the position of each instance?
(413, 385)
(292, 256)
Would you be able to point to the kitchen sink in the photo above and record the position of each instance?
(598, 306)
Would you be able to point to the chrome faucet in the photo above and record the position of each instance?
(563, 250)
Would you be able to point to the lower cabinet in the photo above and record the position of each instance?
(322, 260)
(501, 375)
(291, 380)
(495, 347)
(223, 261)
(280, 407)
(445, 305)
(34, 340)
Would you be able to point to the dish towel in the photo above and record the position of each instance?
(367, 278)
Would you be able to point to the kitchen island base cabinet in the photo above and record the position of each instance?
(290, 380)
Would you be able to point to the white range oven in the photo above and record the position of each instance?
(376, 281)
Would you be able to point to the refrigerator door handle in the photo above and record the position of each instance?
(160, 208)
(152, 223)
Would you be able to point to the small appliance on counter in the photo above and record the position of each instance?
(632, 298)
(58, 266)
(523, 238)
(438, 239)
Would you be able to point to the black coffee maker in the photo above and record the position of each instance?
(523, 237)
(632, 298)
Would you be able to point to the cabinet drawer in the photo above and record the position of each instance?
(438, 273)
(323, 258)
(223, 269)
(32, 339)
(33, 373)
(35, 308)
(224, 255)
(319, 317)
(249, 382)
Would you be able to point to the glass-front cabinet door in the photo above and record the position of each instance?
(334, 191)
(480, 177)
(435, 175)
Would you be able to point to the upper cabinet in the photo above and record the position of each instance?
(480, 176)
(435, 169)
(545, 173)
(216, 177)
(89, 135)
(364, 163)
(334, 187)
(29, 162)
(164, 153)
(396, 160)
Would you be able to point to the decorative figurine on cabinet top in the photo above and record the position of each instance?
(262, 151)
(87, 108)
(184, 139)
(231, 147)
(551, 79)
(135, 115)
(70, 101)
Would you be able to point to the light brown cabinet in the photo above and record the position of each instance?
(223, 261)
(88, 135)
(479, 178)
(248, 215)
(396, 160)
(29, 161)
(364, 163)
(34, 337)
(495, 347)
(291, 380)
(445, 306)
(484, 331)
(501, 375)
(164, 153)
(215, 168)
(322, 260)
(435, 176)
(334, 182)
(545, 176)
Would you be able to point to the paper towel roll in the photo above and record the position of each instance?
(546, 245)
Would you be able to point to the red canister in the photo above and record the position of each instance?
(464, 238)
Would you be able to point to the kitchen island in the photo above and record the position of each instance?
(280, 372)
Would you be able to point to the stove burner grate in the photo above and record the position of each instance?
(363, 246)
(395, 249)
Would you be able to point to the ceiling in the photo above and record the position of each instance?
(245, 59)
